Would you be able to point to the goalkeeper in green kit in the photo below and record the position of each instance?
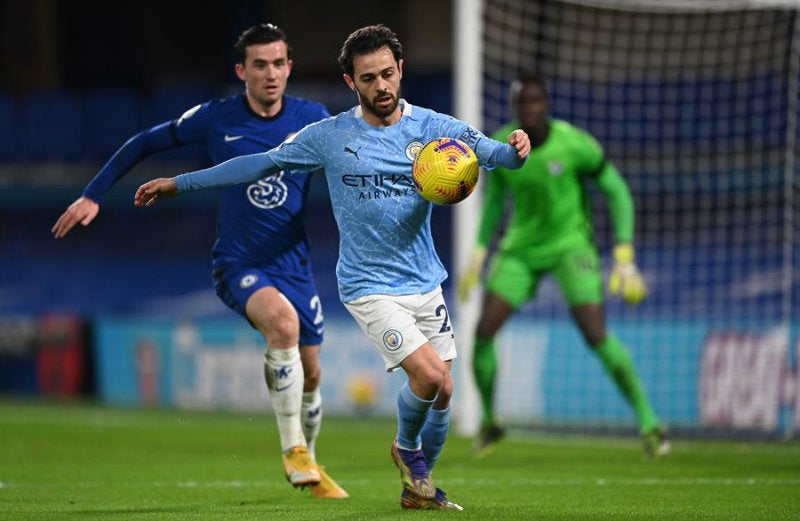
(549, 232)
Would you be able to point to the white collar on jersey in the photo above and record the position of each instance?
(407, 109)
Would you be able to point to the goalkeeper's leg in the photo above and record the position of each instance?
(618, 363)
(484, 367)
(616, 360)
(494, 313)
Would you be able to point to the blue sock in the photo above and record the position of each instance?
(411, 413)
(434, 433)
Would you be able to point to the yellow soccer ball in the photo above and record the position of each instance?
(445, 171)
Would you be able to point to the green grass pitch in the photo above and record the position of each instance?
(78, 461)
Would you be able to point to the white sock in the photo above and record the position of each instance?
(283, 373)
(312, 418)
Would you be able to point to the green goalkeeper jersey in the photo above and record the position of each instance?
(551, 210)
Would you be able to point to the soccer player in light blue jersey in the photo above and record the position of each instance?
(388, 271)
(262, 267)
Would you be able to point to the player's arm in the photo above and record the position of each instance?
(242, 169)
(297, 154)
(84, 209)
(625, 279)
(490, 152)
(620, 202)
(511, 155)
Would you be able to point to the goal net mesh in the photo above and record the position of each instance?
(697, 107)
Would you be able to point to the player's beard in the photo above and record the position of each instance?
(372, 105)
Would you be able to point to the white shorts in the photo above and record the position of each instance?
(398, 325)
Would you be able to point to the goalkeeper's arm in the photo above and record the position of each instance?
(490, 219)
(625, 278)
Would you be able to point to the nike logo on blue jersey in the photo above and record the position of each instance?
(354, 152)
(229, 138)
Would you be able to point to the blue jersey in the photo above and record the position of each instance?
(258, 224)
(384, 224)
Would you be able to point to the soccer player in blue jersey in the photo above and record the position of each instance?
(388, 271)
(261, 263)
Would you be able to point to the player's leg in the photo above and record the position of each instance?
(432, 434)
(494, 314)
(426, 377)
(433, 320)
(510, 284)
(389, 321)
(580, 278)
(272, 314)
(437, 423)
(253, 294)
(311, 411)
(311, 416)
(303, 296)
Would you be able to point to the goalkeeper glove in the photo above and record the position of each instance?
(472, 274)
(625, 279)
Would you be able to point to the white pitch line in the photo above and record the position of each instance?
(487, 482)
(602, 482)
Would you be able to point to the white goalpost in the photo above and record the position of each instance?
(468, 69)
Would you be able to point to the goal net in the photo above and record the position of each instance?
(696, 103)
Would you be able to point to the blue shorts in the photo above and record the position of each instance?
(235, 286)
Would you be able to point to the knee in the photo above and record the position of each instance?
(281, 329)
(594, 339)
(431, 381)
(486, 328)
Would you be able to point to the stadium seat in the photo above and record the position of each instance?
(9, 129)
(52, 126)
(112, 116)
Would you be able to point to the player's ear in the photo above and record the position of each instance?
(400, 68)
(289, 64)
(239, 68)
(349, 81)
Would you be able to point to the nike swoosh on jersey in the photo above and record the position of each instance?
(232, 138)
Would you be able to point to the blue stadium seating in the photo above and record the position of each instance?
(112, 116)
(53, 126)
(9, 129)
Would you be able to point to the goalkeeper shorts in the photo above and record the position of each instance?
(577, 270)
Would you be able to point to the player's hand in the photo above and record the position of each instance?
(519, 139)
(625, 279)
(151, 191)
(83, 211)
(472, 274)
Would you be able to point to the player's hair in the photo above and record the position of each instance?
(527, 78)
(368, 40)
(260, 34)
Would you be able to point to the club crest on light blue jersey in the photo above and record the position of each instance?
(413, 149)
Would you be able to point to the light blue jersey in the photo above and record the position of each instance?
(385, 243)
